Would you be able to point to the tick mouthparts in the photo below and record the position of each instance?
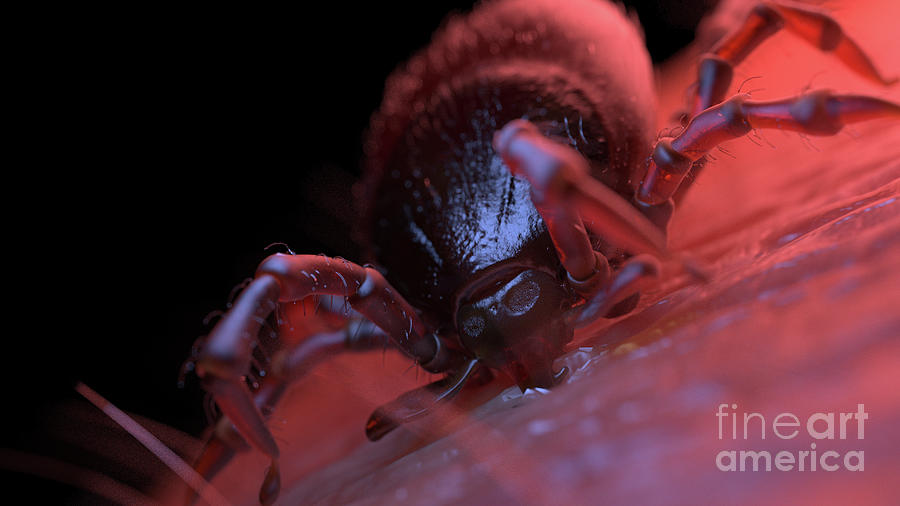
(545, 379)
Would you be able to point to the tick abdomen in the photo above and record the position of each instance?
(441, 207)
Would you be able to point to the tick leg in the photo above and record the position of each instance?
(816, 113)
(809, 23)
(288, 366)
(419, 402)
(567, 197)
(634, 275)
(358, 335)
(226, 355)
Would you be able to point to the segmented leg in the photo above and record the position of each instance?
(565, 194)
(419, 402)
(407, 407)
(634, 275)
(813, 25)
(288, 366)
(357, 335)
(226, 355)
(816, 113)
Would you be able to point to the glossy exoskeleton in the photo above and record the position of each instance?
(513, 192)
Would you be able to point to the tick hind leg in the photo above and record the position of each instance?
(813, 25)
(816, 113)
(715, 121)
(716, 68)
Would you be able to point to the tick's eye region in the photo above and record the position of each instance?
(512, 323)
(473, 326)
(521, 297)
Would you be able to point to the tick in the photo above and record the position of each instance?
(515, 190)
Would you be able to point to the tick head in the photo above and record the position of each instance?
(515, 324)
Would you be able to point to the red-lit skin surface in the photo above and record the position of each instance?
(792, 294)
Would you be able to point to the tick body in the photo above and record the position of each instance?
(513, 192)
(445, 218)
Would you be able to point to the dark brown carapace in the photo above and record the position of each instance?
(513, 193)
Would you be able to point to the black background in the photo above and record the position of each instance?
(174, 146)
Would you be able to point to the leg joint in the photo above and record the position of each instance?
(595, 281)
(714, 76)
(735, 118)
(769, 16)
(670, 159)
(443, 358)
(817, 114)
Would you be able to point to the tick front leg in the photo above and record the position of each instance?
(226, 355)
(288, 366)
(633, 276)
(568, 197)
(813, 25)
(816, 113)
(419, 402)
